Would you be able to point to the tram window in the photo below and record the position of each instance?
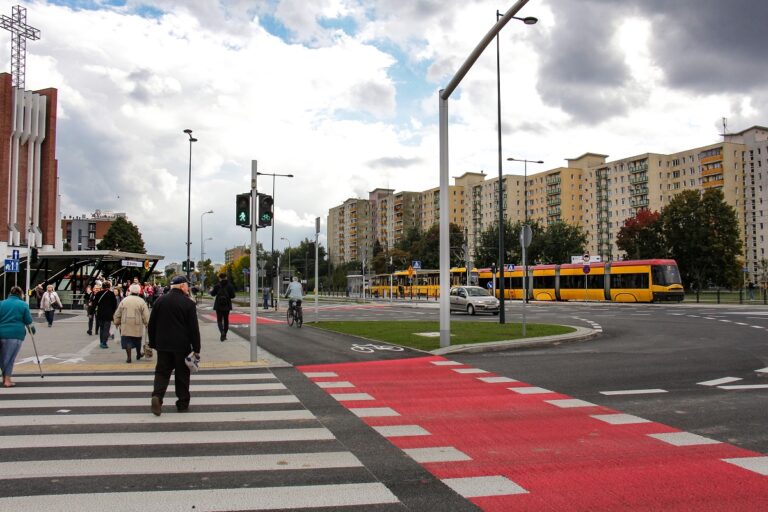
(571, 281)
(666, 275)
(638, 280)
(595, 281)
(544, 282)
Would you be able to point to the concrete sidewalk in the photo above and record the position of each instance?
(66, 347)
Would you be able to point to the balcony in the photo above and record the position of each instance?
(633, 169)
(551, 191)
(639, 203)
(553, 211)
(713, 183)
(712, 171)
(711, 159)
(638, 191)
(553, 180)
(553, 201)
(642, 178)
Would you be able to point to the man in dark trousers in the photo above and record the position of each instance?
(174, 333)
(106, 305)
(223, 292)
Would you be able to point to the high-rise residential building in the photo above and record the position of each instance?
(235, 253)
(591, 192)
(755, 173)
(350, 231)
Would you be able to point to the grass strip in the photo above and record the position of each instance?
(407, 333)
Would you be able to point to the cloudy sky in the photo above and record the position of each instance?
(343, 94)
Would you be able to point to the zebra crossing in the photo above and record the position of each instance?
(89, 442)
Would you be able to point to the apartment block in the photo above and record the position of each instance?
(83, 233)
(350, 231)
(235, 253)
(591, 192)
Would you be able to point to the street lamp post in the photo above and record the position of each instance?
(289, 262)
(525, 219)
(530, 20)
(202, 252)
(272, 251)
(189, 199)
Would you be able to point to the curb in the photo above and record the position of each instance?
(581, 334)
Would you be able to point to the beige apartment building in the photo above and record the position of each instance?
(350, 231)
(591, 192)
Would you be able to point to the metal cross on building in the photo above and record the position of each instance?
(17, 26)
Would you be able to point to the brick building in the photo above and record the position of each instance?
(28, 168)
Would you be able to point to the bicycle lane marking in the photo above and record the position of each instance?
(242, 319)
(542, 450)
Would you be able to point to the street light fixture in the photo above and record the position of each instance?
(272, 252)
(529, 20)
(202, 253)
(189, 199)
(525, 217)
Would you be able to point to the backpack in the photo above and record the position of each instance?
(222, 301)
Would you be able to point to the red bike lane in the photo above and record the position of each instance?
(507, 445)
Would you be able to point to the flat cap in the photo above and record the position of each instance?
(179, 280)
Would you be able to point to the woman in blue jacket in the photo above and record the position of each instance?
(14, 317)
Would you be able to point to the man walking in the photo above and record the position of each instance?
(173, 333)
(106, 305)
(223, 292)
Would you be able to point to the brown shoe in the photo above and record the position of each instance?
(157, 406)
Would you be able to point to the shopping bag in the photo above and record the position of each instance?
(193, 363)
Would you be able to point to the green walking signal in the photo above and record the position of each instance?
(243, 210)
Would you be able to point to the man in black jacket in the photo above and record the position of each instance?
(223, 292)
(106, 305)
(174, 333)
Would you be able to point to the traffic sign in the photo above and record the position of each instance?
(525, 235)
(416, 264)
(15, 254)
(585, 268)
(11, 265)
(509, 267)
(489, 285)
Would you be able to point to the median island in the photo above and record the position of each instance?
(426, 335)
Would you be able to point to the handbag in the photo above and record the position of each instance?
(193, 363)
(147, 351)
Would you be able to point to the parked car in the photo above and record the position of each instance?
(473, 299)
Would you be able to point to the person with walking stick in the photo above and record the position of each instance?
(14, 318)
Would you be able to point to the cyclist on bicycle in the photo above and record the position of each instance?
(294, 294)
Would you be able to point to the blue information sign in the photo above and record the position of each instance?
(11, 265)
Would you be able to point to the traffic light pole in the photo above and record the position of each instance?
(254, 297)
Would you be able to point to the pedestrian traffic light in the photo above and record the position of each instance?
(266, 204)
(187, 266)
(34, 254)
(243, 210)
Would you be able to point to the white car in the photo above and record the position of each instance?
(473, 299)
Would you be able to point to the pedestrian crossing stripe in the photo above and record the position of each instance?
(100, 389)
(142, 402)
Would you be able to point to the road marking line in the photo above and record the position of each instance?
(135, 402)
(725, 320)
(494, 380)
(214, 500)
(151, 465)
(683, 439)
(469, 370)
(401, 430)
(740, 323)
(149, 377)
(312, 375)
(373, 412)
(479, 486)
(164, 438)
(757, 464)
(620, 419)
(446, 363)
(757, 326)
(570, 403)
(335, 384)
(348, 397)
(745, 386)
(762, 370)
(143, 418)
(437, 454)
(530, 390)
(717, 382)
(633, 392)
(22, 390)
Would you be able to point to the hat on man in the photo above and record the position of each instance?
(179, 280)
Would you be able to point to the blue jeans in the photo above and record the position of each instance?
(49, 317)
(9, 349)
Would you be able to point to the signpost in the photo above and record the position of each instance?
(525, 240)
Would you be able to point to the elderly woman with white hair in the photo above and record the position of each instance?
(131, 317)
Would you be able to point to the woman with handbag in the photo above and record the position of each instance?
(131, 317)
(49, 303)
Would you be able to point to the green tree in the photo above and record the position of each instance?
(124, 236)
(559, 242)
(429, 248)
(487, 250)
(702, 233)
(642, 236)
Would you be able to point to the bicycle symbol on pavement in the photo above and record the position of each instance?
(370, 348)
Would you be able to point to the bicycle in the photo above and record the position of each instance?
(294, 315)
